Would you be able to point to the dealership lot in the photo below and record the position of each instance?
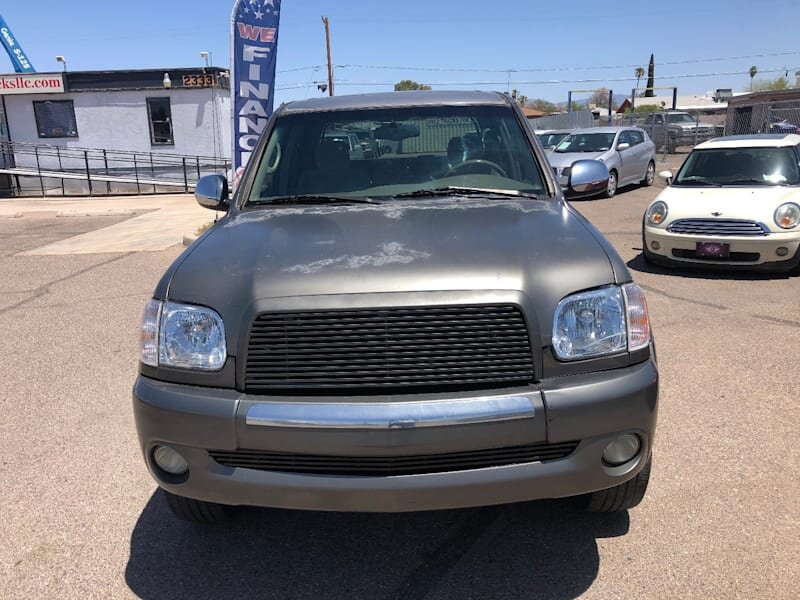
(82, 518)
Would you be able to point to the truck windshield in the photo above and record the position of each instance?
(389, 152)
(740, 166)
(680, 118)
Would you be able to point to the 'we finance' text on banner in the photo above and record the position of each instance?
(254, 48)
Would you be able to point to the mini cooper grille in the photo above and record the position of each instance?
(718, 227)
(383, 466)
(409, 349)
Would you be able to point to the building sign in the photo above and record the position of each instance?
(254, 37)
(31, 84)
(198, 81)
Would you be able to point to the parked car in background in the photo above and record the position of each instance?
(550, 138)
(780, 125)
(348, 139)
(627, 152)
(432, 328)
(735, 202)
(670, 129)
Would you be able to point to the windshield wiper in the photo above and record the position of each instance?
(314, 199)
(697, 180)
(743, 180)
(453, 190)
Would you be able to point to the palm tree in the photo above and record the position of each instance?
(753, 72)
(639, 74)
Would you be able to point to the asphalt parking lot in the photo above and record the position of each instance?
(81, 517)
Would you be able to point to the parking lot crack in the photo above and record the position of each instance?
(43, 290)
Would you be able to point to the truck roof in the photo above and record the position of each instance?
(395, 100)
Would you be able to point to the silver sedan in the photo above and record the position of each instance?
(628, 152)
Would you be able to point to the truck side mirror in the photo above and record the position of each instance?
(211, 192)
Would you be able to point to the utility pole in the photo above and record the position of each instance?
(328, 46)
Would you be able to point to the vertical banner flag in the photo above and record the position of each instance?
(254, 47)
(15, 52)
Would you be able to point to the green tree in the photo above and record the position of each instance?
(576, 106)
(753, 73)
(646, 108)
(768, 85)
(407, 85)
(543, 105)
(651, 77)
(639, 73)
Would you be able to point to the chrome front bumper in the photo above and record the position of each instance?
(591, 409)
(390, 415)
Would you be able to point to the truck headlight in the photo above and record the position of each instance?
(601, 322)
(183, 336)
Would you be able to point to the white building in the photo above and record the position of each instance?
(152, 112)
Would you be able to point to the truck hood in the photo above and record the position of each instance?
(539, 247)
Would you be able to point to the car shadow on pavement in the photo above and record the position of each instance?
(544, 549)
(638, 263)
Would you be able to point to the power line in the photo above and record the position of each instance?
(543, 69)
(565, 68)
(311, 68)
(504, 83)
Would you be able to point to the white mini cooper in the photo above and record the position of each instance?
(735, 201)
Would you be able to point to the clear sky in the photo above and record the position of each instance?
(540, 48)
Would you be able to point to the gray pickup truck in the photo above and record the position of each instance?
(671, 129)
(432, 327)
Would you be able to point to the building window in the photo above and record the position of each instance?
(160, 115)
(55, 119)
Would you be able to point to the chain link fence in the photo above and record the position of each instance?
(767, 117)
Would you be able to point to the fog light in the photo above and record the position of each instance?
(782, 251)
(655, 245)
(622, 449)
(169, 461)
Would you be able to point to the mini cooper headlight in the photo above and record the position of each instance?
(182, 336)
(657, 213)
(601, 322)
(787, 215)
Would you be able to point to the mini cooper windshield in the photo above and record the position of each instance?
(740, 166)
(386, 153)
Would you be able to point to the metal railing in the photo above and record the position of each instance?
(39, 169)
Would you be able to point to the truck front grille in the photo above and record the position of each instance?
(384, 466)
(387, 350)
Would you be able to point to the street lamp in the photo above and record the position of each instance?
(62, 60)
(206, 56)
